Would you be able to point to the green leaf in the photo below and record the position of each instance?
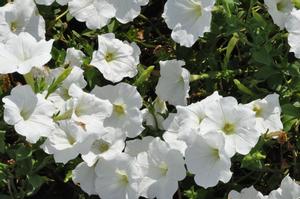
(253, 160)
(57, 82)
(144, 76)
(243, 88)
(68, 176)
(23, 153)
(296, 3)
(36, 182)
(289, 109)
(231, 45)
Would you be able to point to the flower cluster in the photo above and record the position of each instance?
(286, 16)
(105, 126)
(288, 189)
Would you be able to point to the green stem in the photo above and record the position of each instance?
(60, 16)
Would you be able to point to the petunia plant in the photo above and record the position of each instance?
(132, 99)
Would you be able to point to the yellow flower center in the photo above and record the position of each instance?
(215, 153)
(71, 139)
(109, 57)
(229, 128)
(123, 177)
(13, 26)
(103, 147)
(258, 110)
(163, 168)
(119, 109)
(198, 10)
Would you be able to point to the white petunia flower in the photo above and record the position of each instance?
(173, 84)
(171, 135)
(127, 10)
(74, 57)
(279, 10)
(85, 176)
(30, 113)
(247, 193)
(292, 26)
(115, 59)
(49, 2)
(23, 52)
(162, 168)
(126, 102)
(288, 189)
(181, 126)
(67, 141)
(236, 122)
(95, 13)
(21, 16)
(267, 112)
(136, 146)
(118, 178)
(105, 146)
(88, 109)
(206, 158)
(188, 19)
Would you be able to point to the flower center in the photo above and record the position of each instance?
(163, 169)
(123, 177)
(71, 139)
(282, 5)
(258, 110)
(215, 153)
(198, 10)
(228, 128)
(13, 26)
(119, 109)
(103, 147)
(25, 114)
(109, 57)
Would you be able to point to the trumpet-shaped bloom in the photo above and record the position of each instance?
(20, 54)
(171, 136)
(115, 59)
(173, 84)
(279, 10)
(288, 189)
(236, 122)
(188, 19)
(118, 177)
(206, 158)
(136, 146)
(105, 147)
(74, 57)
(127, 10)
(126, 102)
(162, 168)
(292, 26)
(267, 112)
(29, 113)
(87, 108)
(21, 16)
(247, 193)
(67, 141)
(85, 176)
(95, 13)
